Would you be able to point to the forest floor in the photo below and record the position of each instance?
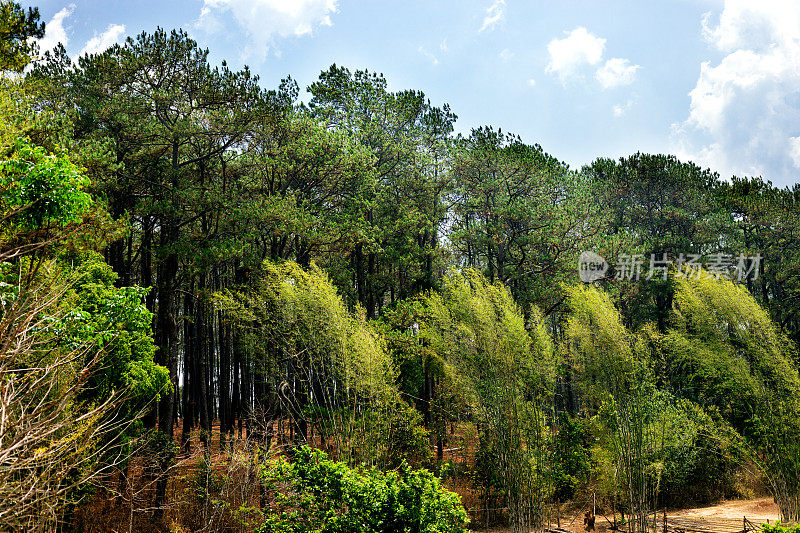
(132, 510)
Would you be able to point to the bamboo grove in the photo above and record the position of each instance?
(191, 261)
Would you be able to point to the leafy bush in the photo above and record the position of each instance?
(316, 494)
(38, 189)
(777, 527)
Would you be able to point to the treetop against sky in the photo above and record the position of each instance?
(708, 80)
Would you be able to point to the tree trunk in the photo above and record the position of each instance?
(189, 379)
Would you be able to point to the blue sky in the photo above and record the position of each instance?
(713, 81)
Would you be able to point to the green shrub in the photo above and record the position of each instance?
(315, 494)
(777, 527)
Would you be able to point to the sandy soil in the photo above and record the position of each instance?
(759, 509)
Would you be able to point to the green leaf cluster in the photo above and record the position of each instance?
(314, 494)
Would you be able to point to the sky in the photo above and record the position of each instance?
(716, 82)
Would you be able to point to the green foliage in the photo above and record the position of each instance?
(205, 482)
(315, 494)
(726, 352)
(765, 218)
(606, 358)
(476, 329)
(732, 370)
(77, 353)
(275, 232)
(115, 322)
(409, 440)
(777, 527)
(572, 463)
(520, 215)
(614, 373)
(310, 190)
(18, 28)
(702, 456)
(295, 320)
(662, 204)
(472, 338)
(38, 189)
(655, 204)
(396, 251)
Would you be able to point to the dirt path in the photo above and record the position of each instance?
(759, 509)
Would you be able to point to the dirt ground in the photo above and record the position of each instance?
(758, 509)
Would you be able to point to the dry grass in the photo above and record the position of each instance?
(128, 506)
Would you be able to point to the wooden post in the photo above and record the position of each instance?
(614, 512)
(664, 528)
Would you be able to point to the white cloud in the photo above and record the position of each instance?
(531, 82)
(108, 38)
(616, 72)
(506, 55)
(54, 30)
(744, 112)
(794, 150)
(443, 45)
(578, 49)
(621, 110)
(576, 54)
(428, 55)
(264, 20)
(494, 15)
